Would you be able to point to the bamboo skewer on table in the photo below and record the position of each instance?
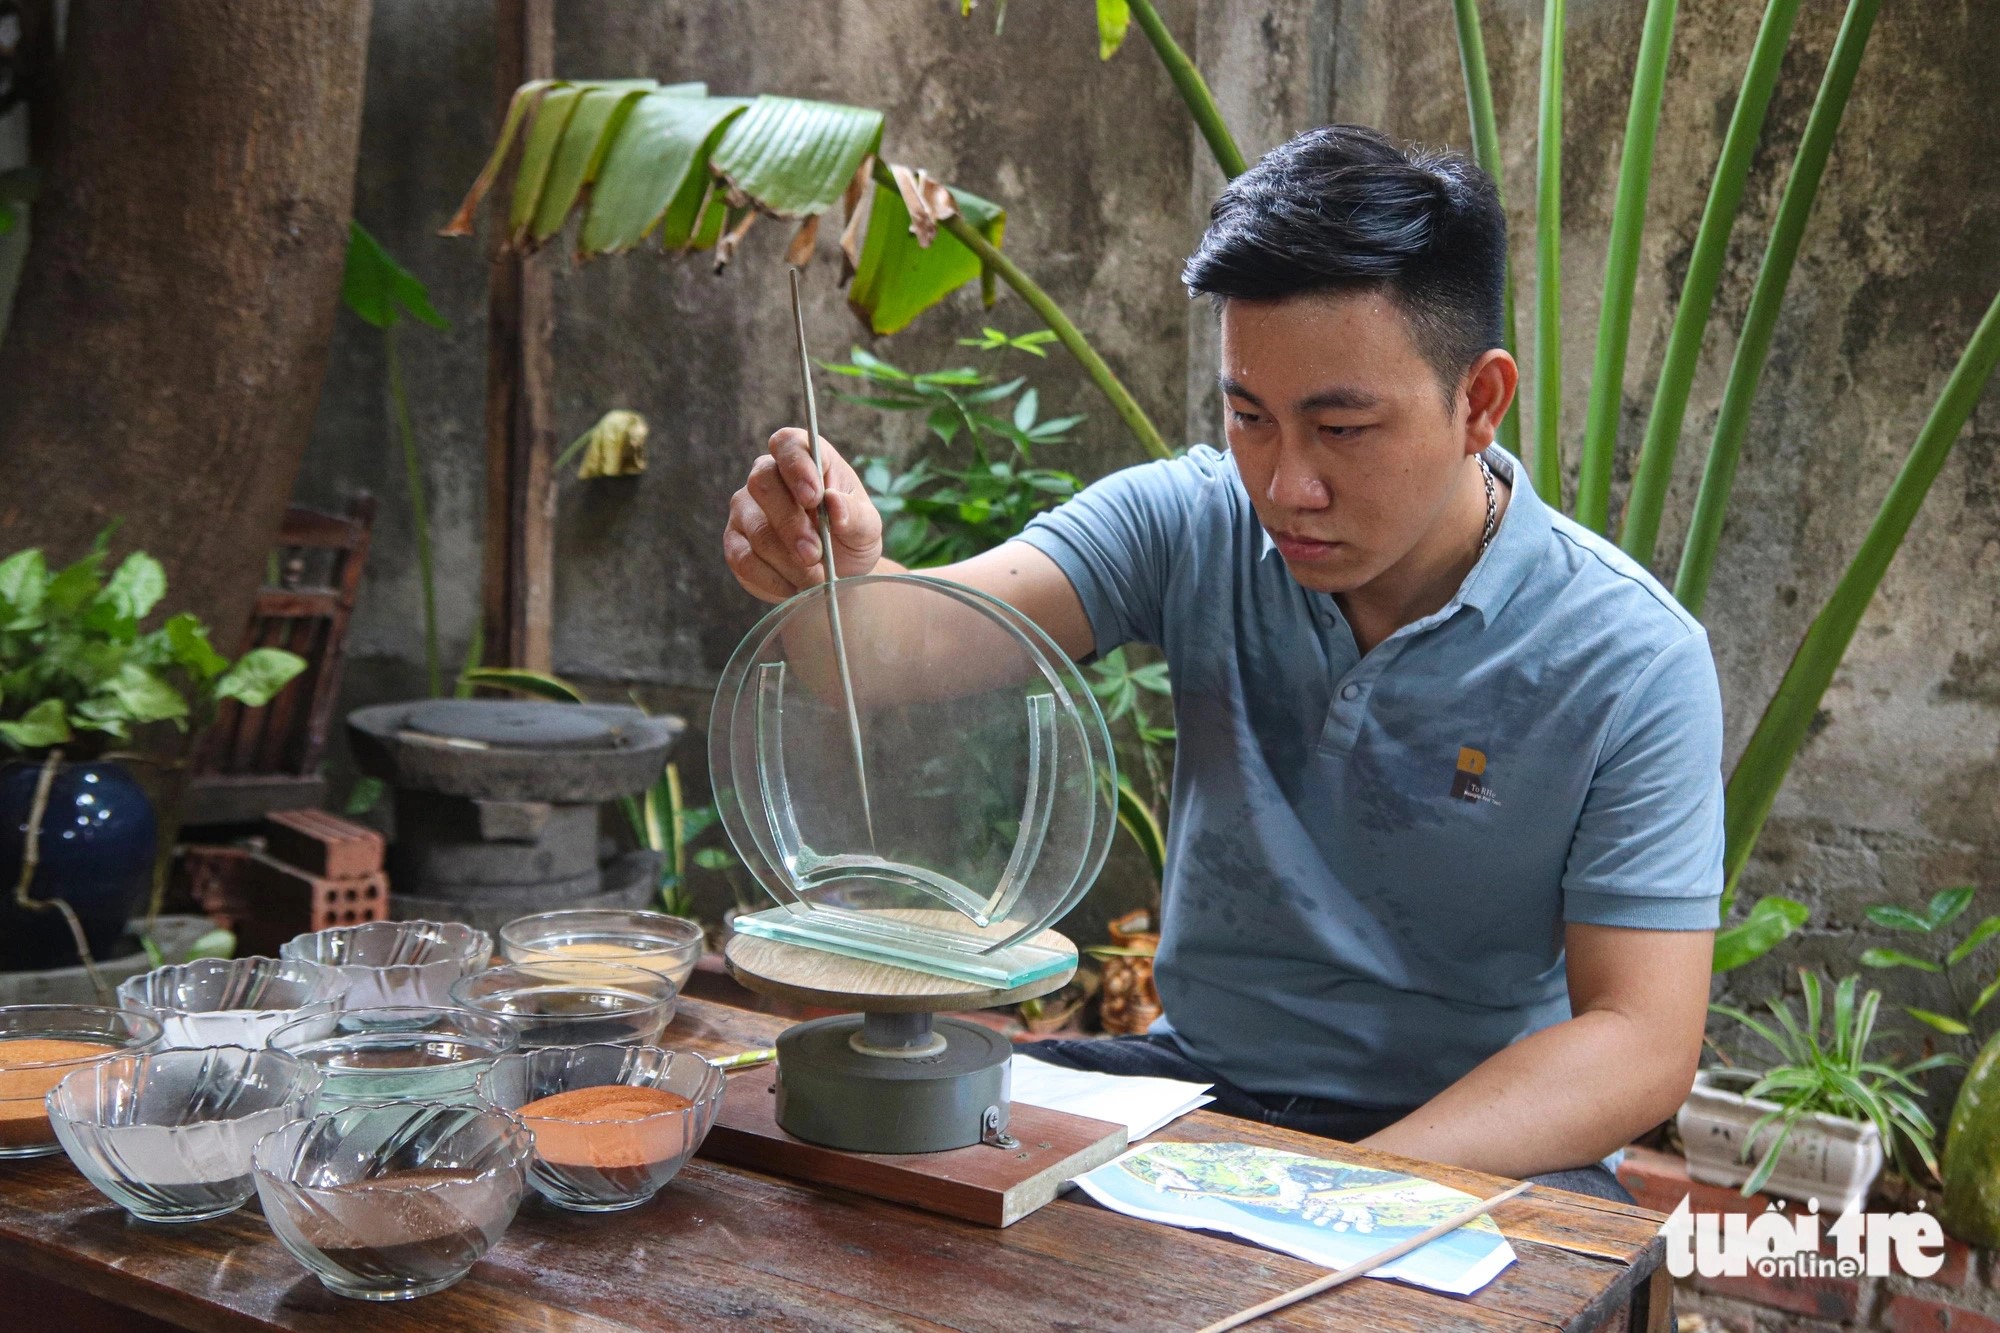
(1362, 1267)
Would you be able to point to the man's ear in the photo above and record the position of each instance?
(1489, 391)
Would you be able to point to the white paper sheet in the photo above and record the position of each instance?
(1142, 1105)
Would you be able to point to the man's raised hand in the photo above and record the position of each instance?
(772, 541)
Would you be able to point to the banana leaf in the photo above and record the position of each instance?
(600, 113)
(897, 278)
(1753, 786)
(538, 154)
(795, 158)
(651, 174)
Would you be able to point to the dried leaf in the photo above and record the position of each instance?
(800, 252)
(725, 249)
(928, 200)
(524, 97)
(614, 447)
(855, 206)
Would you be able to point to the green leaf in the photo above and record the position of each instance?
(1897, 918)
(43, 725)
(1949, 1026)
(1768, 923)
(1896, 958)
(1025, 410)
(76, 586)
(1545, 462)
(1760, 321)
(1981, 933)
(216, 943)
(364, 796)
(538, 155)
(258, 675)
(1138, 820)
(1478, 78)
(147, 698)
(24, 582)
(656, 173)
(537, 683)
(1654, 472)
(1787, 719)
(189, 648)
(795, 158)
(1948, 905)
(136, 586)
(587, 136)
(1986, 996)
(1114, 20)
(378, 289)
(713, 858)
(896, 279)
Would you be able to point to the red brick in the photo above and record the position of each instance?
(1822, 1297)
(1957, 1264)
(1913, 1314)
(323, 844)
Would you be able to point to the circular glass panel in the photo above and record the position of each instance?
(937, 798)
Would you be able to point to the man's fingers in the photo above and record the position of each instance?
(757, 575)
(792, 450)
(775, 544)
(781, 511)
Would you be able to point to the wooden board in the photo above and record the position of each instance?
(995, 1187)
(829, 980)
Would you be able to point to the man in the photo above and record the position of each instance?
(1446, 829)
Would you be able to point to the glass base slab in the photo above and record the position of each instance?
(1002, 969)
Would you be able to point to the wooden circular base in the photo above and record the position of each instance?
(835, 981)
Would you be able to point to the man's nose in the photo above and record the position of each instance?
(1294, 484)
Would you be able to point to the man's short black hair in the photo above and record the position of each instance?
(1344, 208)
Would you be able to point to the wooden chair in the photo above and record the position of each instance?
(257, 760)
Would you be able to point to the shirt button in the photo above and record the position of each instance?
(1350, 692)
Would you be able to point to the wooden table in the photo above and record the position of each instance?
(731, 1247)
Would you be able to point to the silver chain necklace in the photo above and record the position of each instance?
(1492, 505)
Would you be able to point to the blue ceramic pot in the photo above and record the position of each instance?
(97, 843)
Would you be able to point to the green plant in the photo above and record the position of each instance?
(1835, 1076)
(936, 513)
(76, 667)
(642, 161)
(1943, 909)
(1123, 691)
(1766, 760)
(379, 290)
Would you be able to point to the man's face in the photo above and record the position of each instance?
(1340, 431)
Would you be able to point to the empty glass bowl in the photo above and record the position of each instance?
(42, 1043)
(669, 945)
(573, 1004)
(167, 1136)
(234, 1001)
(398, 1054)
(397, 962)
(384, 1203)
(612, 1124)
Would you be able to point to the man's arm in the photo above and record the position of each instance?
(1580, 1089)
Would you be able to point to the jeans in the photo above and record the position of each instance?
(1160, 1056)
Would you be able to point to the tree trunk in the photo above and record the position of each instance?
(164, 359)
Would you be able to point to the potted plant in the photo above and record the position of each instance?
(78, 833)
(1819, 1121)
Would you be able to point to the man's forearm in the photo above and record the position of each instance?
(1562, 1097)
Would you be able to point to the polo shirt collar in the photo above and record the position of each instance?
(1518, 543)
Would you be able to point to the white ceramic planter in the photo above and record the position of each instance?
(1826, 1157)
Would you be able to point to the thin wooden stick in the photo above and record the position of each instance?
(1362, 1267)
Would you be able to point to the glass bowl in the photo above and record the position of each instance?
(397, 962)
(167, 1135)
(390, 1202)
(234, 1001)
(573, 1004)
(604, 1139)
(669, 945)
(40, 1044)
(398, 1054)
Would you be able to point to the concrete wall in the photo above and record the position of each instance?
(1895, 797)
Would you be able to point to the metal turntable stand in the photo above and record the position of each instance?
(892, 1075)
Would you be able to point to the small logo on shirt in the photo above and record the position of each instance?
(1468, 783)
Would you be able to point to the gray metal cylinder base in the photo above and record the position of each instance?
(831, 1093)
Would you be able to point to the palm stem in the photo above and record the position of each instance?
(1545, 468)
(1486, 152)
(1193, 90)
(419, 511)
(1121, 399)
(1753, 786)
(1761, 321)
(1621, 270)
(1655, 472)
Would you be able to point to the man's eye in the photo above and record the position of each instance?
(1341, 432)
(1244, 418)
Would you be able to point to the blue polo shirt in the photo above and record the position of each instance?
(1371, 858)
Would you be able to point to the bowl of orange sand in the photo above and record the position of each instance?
(39, 1045)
